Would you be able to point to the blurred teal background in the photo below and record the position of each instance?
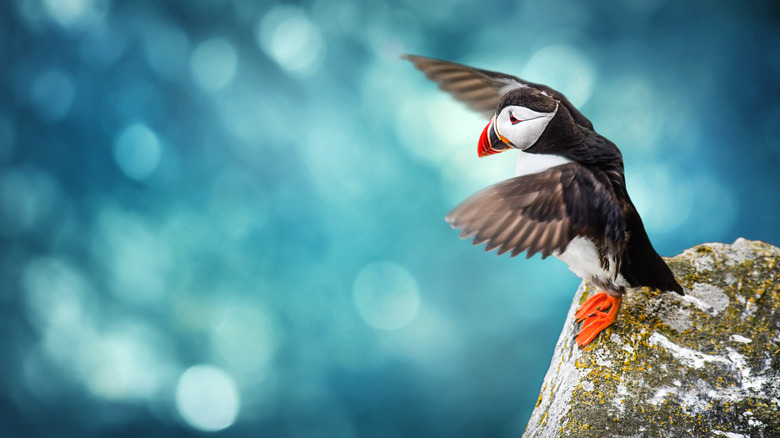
(227, 216)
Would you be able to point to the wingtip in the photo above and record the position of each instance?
(479, 240)
(491, 245)
(466, 235)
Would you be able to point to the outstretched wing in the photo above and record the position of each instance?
(542, 212)
(480, 89)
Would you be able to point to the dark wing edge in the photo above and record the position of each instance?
(481, 90)
(541, 212)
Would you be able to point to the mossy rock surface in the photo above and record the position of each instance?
(706, 364)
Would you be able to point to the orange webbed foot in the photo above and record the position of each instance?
(598, 313)
(591, 305)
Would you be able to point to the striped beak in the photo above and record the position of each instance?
(490, 142)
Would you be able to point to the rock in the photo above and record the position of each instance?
(706, 364)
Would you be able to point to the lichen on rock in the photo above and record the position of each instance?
(703, 364)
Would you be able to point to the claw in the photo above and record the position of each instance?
(590, 306)
(598, 313)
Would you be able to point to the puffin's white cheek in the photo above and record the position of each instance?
(525, 133)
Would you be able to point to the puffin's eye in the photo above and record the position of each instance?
(513, 119)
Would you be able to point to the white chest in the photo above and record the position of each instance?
(583, 259)
(528, 164)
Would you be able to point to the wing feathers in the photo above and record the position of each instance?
(541, 212)
(460, 80)
(479, 89)
(494, 227)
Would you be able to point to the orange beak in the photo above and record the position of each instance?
(490, 142)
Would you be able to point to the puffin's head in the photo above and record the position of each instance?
(522, 116)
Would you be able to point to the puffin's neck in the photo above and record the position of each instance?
(565, 138)
(561, 136)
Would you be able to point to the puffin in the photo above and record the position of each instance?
(568, 197)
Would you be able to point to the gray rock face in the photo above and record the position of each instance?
(706, 364)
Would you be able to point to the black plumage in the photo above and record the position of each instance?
(545, 211)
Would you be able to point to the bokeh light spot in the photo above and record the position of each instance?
(52, 94)
(136, 257)
(55, 293)
(207, 398)
(288, 36)
(127, 363)
(243, 339)
(76, 13)
(166, 47)
(386, 295)
(431, 340)
(565, 69)
(664, 200)
(630, 113)
(137, 151)
(27, 198)
(214, 64)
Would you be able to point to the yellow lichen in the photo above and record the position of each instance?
(649, 366)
